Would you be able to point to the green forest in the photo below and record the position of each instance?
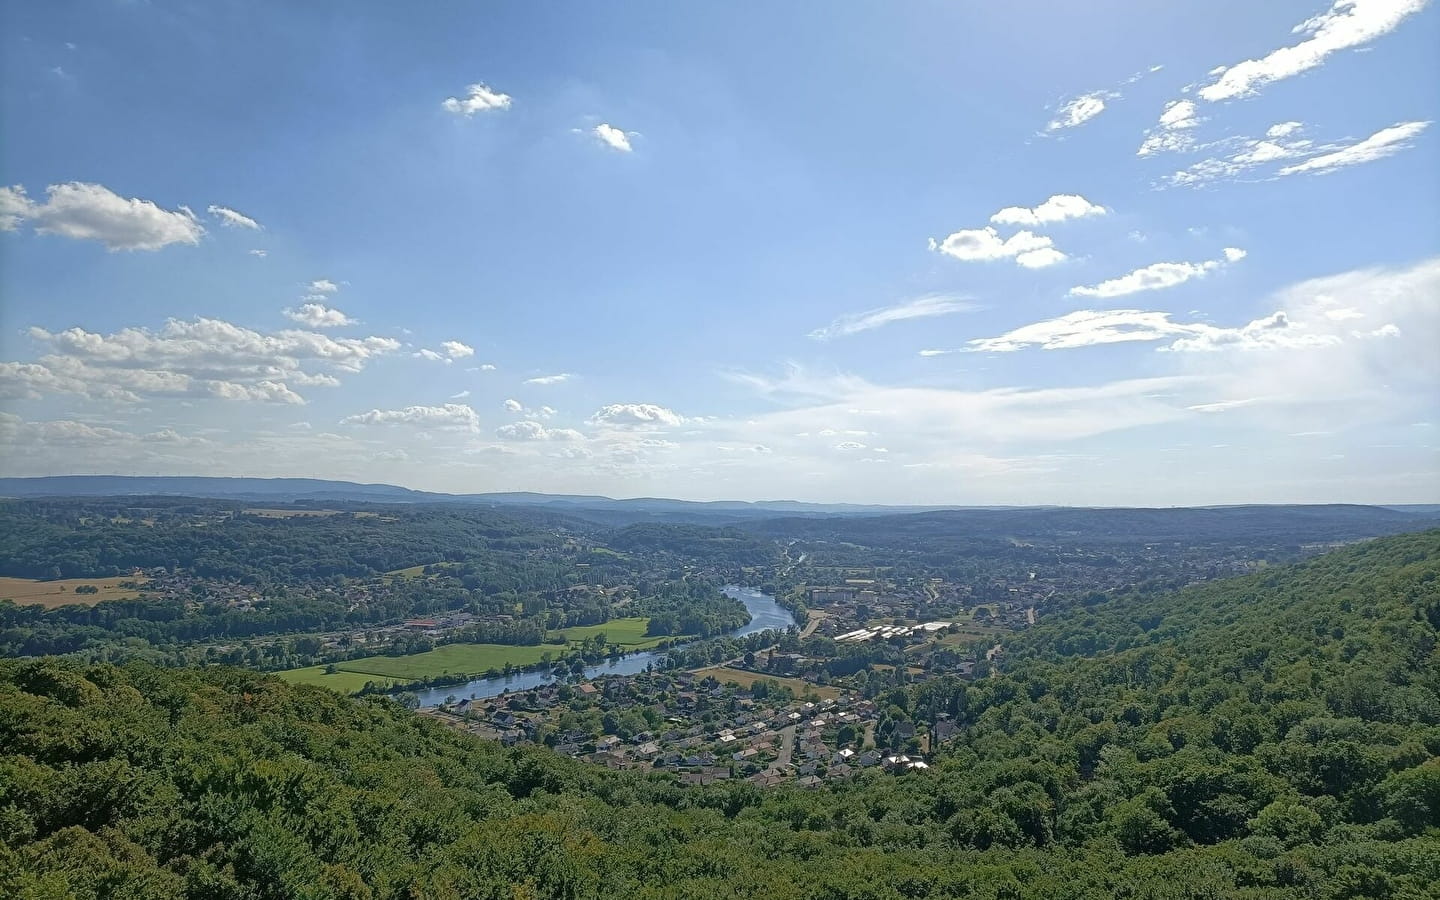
(1270, 736)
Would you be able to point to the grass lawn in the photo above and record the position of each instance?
(346, 682)
(628, 633)
(50, 594)
(465, 659)
(457, 659)
(743, 678)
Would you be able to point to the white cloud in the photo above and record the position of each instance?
(478, 98)
(1039, 259)
(460, 396)
(230, 217)
(1057, 209)
(1090, 328)
(1348, 23)
(985, 244)
(200, 358)
(260, 253)
(318, 315)
(1079, 110)
(1156, 276)
(612, 137)
(636, 415)
(560, 378)
(17, 433)
(1172, 134)
(447, 417)
(513, 406)
(323, 286)
(919, 308)
(1279, 146)
(93, 212)
(457, 350)
(1379, 145)
(530, 430)
(15, 207)
(483, 367)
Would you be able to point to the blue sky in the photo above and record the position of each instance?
(1108, 253)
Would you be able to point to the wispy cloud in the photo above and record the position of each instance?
(1080, 109)
(1379, 145)
(559, 378)
(1157, 276)
(230, 217)
(925, 307)
(1347, 24)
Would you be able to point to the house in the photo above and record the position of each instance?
(607, 743)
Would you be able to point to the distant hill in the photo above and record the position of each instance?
(310, 489)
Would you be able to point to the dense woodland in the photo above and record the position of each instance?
(1272, 736)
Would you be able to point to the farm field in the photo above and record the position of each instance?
(61, 592)
(629, 632)
(743, 678)
(345, 682)
(466, 659)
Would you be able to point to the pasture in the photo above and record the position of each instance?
(61, 592)
(466, 659)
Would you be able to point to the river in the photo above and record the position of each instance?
(764, 613)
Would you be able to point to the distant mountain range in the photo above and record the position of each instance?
(312, 489)
(611, 511)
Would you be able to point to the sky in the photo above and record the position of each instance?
(920, 253)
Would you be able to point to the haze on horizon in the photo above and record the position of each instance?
(1150, 255)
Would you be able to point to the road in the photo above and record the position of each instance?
(787, 747)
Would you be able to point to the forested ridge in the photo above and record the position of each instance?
(1271, 736)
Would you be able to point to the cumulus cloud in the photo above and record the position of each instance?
(199, 358)
(1379, 145)
(513, 406)
(1057, 209)
(447, 417)
(1157, 276)
(928, 306)
(985, 244)
(18, 433)
(231, 218)
(530, 430)
(612, 137)
(636, 415)
(318, 315)
(559, 378)
(479, 97)
(86, 211)
(1347, 24)
(323, 286)
(457, 350)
